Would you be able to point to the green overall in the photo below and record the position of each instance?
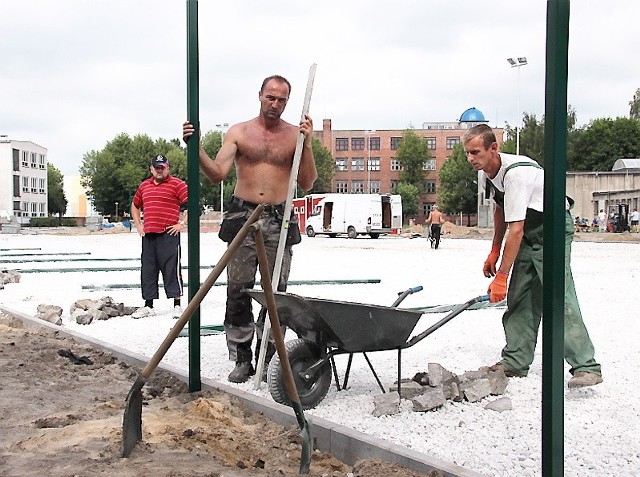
(521, 321)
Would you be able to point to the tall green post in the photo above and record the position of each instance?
(193, 182)
(555, 165)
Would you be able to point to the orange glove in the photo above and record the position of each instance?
(489, 267)
(498, 289)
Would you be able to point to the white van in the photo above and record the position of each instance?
(355, 214)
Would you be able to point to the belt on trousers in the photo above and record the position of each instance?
(270, 209)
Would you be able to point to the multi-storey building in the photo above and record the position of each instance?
(365, 160)
(23, 180)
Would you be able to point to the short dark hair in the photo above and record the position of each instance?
(482, 130)
(279, 78)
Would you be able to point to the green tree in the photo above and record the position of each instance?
(532, 136)
(458, 191)
(604, 141)
(114, 173)
(410, 194)
(412, 154)
(325, 165)
(634, 106)
(56, 200)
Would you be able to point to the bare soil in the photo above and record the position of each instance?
(63, 419)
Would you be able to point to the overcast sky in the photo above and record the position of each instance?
(75, 73)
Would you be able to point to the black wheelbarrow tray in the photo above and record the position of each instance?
(327, 328)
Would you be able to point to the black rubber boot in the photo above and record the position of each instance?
(241, 372)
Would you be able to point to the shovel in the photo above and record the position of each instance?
(292, 391)
(132, 420)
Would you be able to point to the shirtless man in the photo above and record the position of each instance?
(435, 221)
(262, 150)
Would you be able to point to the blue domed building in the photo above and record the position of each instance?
(472, 117)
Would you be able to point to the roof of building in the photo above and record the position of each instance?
(472, 115)
(626, 165)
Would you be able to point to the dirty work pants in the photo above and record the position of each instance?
(435, 234)
(241, 272)
(521, 321)
(160, 253)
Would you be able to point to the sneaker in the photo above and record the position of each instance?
(584, 378)
(177, 312)
(143, 312)
(501, 367)
(241, 372)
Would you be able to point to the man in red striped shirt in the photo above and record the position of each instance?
(163, 198)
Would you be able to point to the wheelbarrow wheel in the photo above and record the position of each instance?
(302, 354)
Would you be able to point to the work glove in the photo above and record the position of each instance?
(498, 289)
(489, 267)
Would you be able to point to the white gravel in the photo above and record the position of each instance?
(601, 423)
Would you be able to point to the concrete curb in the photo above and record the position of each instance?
(344, 443)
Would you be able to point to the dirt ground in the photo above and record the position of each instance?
(63, 419)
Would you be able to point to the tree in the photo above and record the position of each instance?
(458, 185)
(56, 199)
(532, 136)
(634, 106)
(325, 166)
(113, 174)
(412, 154)
(410, 194)
(604, 141)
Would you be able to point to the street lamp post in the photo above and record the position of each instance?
(116, 211)
(517, 63)
(223, 128)
(369, 133)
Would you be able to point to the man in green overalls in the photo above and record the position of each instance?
(517, 184)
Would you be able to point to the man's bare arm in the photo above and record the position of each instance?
(218, 169)
(307, 173)
(512, 245)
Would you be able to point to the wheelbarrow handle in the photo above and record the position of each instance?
(452, 314)
(403, 294)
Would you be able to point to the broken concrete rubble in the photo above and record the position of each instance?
(430, 390)
(50, 313)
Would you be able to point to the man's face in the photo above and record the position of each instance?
(160, 173)
(478, 155)
(273, 99)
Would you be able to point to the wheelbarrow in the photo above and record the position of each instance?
(327, 328)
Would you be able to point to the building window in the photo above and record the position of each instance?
(452, 141)
(25, 159)
(430, 187)
(41, 209)
(357, 187)
(395, 165)
(42, 162)
(34, 185)
(394, 183)
(357, 143)
(374, 143)
(429, 165)
(426, 208)
(342, 144)
(16, 160)
(431, 142)
(34, 209)
(374, 187)
(25, 184)
(34, 160)
(394, 143)
(42, 186)
(357, 163)
(341, 164)
(342, 187)
(374, 163)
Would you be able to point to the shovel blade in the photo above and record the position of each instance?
(305, 433)
(132, 420)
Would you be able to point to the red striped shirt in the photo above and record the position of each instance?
(160, 202)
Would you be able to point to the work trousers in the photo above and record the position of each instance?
(521, 321)
(241, 272)
(160, 254)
